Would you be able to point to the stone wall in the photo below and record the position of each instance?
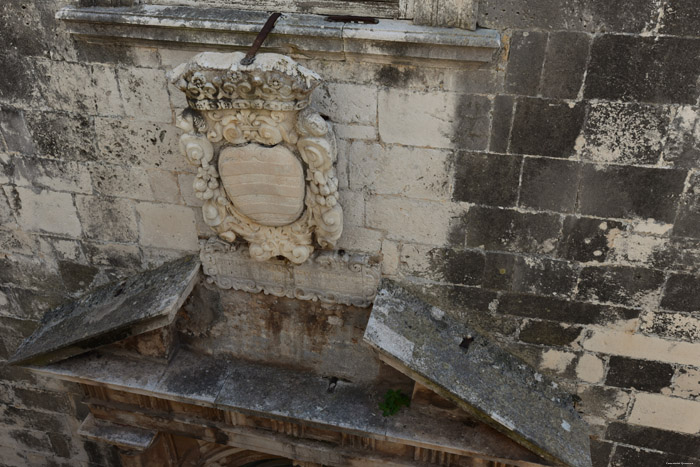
(558, 186)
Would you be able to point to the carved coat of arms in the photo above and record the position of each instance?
(266, 161)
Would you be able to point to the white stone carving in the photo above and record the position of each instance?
(328, 276)
(266, 162)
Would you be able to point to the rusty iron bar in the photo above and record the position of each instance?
(352, 19)
(262, 35)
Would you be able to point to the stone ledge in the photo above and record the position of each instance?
(299, 35)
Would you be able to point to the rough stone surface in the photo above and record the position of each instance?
(639, 374)
(488, 179)
(549, 184)
(624, 133)
(527, 50)
(623, 192)
(330, 277)
(660, 70)
(546, 128)
(109, 313)
(425, 342)
(167, 226)
(500, 178)
(506, 230)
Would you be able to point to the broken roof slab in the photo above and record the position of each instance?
(111, 313)
(455, 361)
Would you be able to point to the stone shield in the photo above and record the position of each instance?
(265, 184)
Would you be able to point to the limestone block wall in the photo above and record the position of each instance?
(558, 187)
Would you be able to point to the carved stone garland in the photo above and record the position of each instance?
(266, 162)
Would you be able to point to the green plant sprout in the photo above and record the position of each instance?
(393, 401)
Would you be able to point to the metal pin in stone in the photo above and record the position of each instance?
(262, 35)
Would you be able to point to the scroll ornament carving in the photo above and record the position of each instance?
(236, 113)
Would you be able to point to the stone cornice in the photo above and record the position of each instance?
(389, 41)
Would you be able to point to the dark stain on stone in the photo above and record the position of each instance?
(394, 76)
(464, 267)
(472, 122)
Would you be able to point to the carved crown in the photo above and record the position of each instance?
(218, 81)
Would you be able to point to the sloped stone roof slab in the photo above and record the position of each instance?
(445, 355)
(110, 313)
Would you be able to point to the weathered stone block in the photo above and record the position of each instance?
(624, 133)
(64, 136)
(120, 181)
(346, 103)
(47, 211)
(144, 93)
(439, 120)
(587, 239)
(590, 368)
(638, 374)
(25, 439)
(18, 79)
(666, 413)
(14, 131)
(682, 148)
(577, 15)
(681, 293)
(53, 174)
(656, 69)
(49, 401)
(623, 192)
(67, 86)
(509, 230)
(360, 239)
(545, 127)
(464, 267)
(109, 219)
(620, 284)
(123, 54)
(549, 184)
(565, 64)
(140, 143)
(680, 18)
(329, 277)
(489, 179)
(411, 220)
(622, 342)
(525, 59)
(677, 326)
(398, 170)
(21, 28)
(543, 276)
(15, 240)
(167, 226)
(549, 333)
(164, 186)
(108, 99)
